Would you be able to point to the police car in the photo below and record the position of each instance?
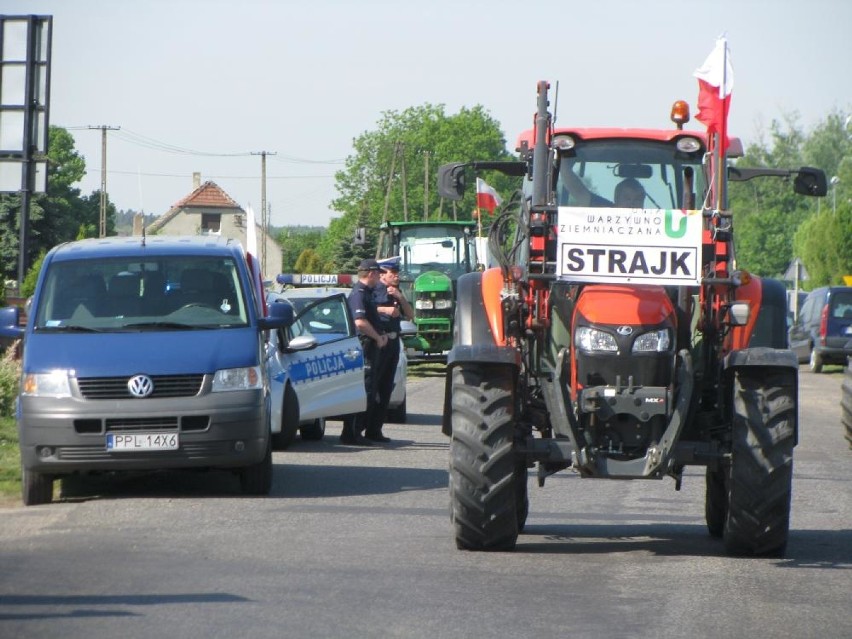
(315, 366)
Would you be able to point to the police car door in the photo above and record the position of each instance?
(328, 378)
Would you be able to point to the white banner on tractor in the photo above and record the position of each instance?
(629, 246)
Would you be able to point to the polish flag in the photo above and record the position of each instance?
(486, 196)
(715, 83)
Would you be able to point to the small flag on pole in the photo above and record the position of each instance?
(715, 83)
(486, 197)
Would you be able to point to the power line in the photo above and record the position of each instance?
(139, 139)
(224, 177)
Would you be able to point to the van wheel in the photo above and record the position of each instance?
(815, 363)
(314, 431)
(36, 488)
(257, 479)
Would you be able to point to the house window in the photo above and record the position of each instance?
(211, 222)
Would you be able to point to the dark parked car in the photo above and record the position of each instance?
(823, 333)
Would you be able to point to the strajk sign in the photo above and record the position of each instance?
(629, 246)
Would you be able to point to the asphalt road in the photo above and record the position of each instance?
(358, 543)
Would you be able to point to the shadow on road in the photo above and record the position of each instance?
(824, 549)
(347, 481)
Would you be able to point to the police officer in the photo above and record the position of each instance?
(369, 325)
(393, 307)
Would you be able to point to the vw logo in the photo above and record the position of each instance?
(140, 386)
(624, 330)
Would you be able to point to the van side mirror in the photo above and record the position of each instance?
(10, 317)
(281, 315)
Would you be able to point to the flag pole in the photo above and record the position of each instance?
(723, 129)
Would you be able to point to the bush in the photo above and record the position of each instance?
(10, 377)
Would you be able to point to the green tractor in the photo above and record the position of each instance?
(432, 257)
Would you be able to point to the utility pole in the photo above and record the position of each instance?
(263, 212)
(104, 128)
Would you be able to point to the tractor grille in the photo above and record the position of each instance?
(164, 386)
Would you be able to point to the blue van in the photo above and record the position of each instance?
(822, 334)
(142, 354)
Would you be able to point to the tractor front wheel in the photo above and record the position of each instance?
(761, 471)
(485, 478)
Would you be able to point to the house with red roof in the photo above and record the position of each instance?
(208, 210)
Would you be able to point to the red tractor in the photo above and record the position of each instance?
(618, 338)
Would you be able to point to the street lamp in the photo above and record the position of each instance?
(834, 180)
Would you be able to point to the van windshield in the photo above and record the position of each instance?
(116, 294)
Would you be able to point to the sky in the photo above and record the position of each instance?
(207, 85)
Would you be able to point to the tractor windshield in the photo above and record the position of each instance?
(435, 247)
(630, 174)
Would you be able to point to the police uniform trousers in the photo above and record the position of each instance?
(386, 360)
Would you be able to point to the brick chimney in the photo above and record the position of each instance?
(196, 180)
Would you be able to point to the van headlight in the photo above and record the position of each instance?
(593, 340)
(653, 342)
(234, 379)
(424, 305)
(52, 384)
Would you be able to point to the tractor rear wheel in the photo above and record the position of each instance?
(484, 473)
(522, 499)
(716, 502)
(761, 472)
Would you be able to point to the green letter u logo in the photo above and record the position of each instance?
(671, 232)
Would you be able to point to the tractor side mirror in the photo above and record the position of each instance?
(810, 181)
(451, 181)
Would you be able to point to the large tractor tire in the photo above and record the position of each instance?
(846, 403)
(484, 473)
(522, 499)
(761, 472)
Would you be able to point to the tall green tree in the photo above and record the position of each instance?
(393, 170)
(294, 241)
(767, 212)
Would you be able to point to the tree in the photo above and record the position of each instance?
(55, 216)
(398, 154)
(308, 262)
(767, 213)
(294, 241)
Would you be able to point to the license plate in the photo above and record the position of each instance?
(130, 442)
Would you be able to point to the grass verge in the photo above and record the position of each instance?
(10, 463)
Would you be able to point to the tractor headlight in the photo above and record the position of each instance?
(424, 305)
(443, 304)
(653, 342)
(591, 339)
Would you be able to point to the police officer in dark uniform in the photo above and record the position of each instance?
(393, 308)
(369, 325)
